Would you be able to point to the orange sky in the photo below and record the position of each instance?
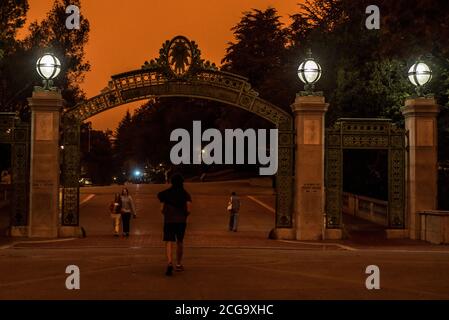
(126, 33)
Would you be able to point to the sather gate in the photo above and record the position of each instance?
(179, 71)
(308, 204)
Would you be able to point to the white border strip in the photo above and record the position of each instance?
(266, 206)
(89, 197)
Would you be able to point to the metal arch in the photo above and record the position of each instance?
(157, 79)
(365, 134)
(214, 85)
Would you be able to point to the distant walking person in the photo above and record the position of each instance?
(128, 209)
(233, 208)
(116, 209)
(175, 206)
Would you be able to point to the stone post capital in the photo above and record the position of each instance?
(46, 101)
(309, 104)
(423, 107)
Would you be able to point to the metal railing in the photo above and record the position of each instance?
(367, 208)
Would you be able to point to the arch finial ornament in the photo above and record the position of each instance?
(179, 56)
(178, 59)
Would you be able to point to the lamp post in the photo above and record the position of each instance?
(420, 115)
(419, 75)
(309, 110)
(309, 72)
(46, 104)
(48, 67)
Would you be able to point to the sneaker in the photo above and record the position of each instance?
(169, 271)
(179, 268)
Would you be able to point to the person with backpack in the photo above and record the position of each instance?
(175, 206)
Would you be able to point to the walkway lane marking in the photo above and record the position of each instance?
(266, 206)
(88, 198)
(342, 246)
(13, 244)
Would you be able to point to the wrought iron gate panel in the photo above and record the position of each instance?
(365, 134)
(284, 180)
(70, 171)
(17, 133)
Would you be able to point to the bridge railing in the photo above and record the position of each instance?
(367, 208)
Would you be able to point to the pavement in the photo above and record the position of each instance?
(219, 264)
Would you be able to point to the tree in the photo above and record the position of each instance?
(17, 67)
(258, 53)
(53, 35)
(98, 161)
(124, 142)
(12, 18)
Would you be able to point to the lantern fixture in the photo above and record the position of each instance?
(48, 67)
(419, 75)
(309, 72)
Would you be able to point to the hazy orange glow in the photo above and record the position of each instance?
(126, 33)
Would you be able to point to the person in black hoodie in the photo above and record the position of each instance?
(175, 206)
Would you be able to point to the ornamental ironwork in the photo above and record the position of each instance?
(16, 132)
(179, 71)
(365, 134)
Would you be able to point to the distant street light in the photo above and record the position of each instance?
(309, 72)
(419, 75)
(48, 67)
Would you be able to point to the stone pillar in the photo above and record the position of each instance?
(422, 165)
(309, 196)
(44, 178)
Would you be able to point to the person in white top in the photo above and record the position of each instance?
(128, 209)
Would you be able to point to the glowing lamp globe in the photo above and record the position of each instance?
(419, 75)
(48, 67)
(309, 72)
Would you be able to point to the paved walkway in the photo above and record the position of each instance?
(219, 264)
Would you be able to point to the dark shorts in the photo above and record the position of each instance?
(174, 232)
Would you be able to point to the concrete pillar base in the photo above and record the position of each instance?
(282, 234)
(42, 233)
(70, 232)
(398, 233)
(18, 232)
(308, 236)
(333, 234)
